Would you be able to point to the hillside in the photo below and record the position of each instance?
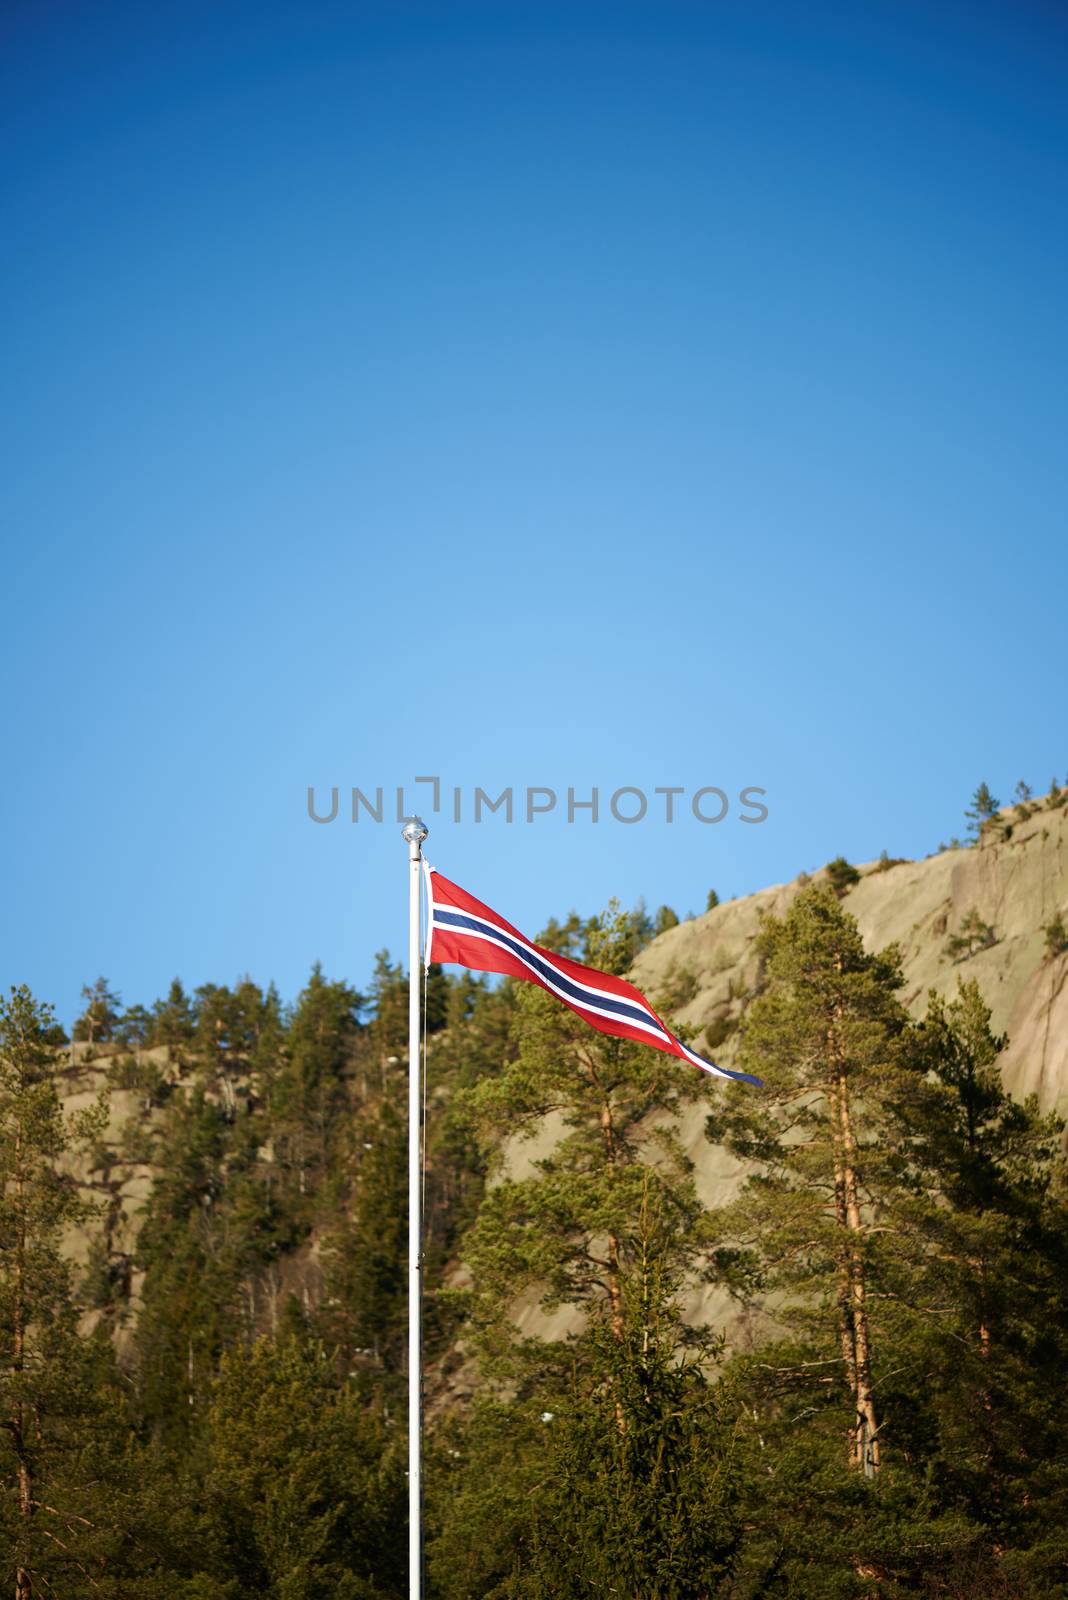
(249, 1178)
(1016, 884)
(705, 970)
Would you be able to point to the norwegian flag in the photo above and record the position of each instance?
(464, 931)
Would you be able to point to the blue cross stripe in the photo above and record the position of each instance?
(624, 1009)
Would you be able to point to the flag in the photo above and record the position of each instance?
(467, 933)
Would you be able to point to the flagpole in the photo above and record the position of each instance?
(414, 832)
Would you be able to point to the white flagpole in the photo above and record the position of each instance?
(414, 831)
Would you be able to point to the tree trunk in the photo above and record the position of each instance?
(23, 1581)
(866, 1450)
(846, 1329)
(615, 1287)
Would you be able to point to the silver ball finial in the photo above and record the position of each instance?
(415, 830)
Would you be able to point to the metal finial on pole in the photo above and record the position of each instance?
(414, 832)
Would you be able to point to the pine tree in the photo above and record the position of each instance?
(982, 810)
(615, 1473)
(42, 1381)
(643, 1496)
(1056, 936)
(569, 1229)
(975, 934)
(190, 1304)
(97, 1022)
(389, 1009)
(310, 1094)
(824, 1037)
(172, 1019)
(366, 1258)
(304, 1491)
(841, 875)
(981, 1303)
(608, 1222)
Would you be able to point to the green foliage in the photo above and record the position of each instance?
(133, 1028)
(46, 1393)
(567, 1232)
(172, 1019)
(886, 1423)
(567, 938)
(825, 1037)
(612, 1443)
(615, 1474)
(974, 934)
(579, 939)
(719, 1030)
(958, 1242)
(366, 1260)
(983, 810)
(389, 1005)
(886, 860)
(985, 1219)
(665, 919)
(309, 1093)
(841, 875)
(679, 987)
(713, 900)
(304, 1491)
(96, 1025)
(141, 1073)
(642, 1485)
(1056, 935)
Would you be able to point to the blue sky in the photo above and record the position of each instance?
(531, 394)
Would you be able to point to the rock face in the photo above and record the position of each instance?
(1014, 885)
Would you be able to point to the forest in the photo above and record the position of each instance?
(222, 1412)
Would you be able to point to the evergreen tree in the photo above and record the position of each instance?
(44, 1394)
(210, 1231)
(435, 998)
(311, 1094)
(133, 1028)
(975, 934)
(610, 1222)
(613, 1472)
(569, 1229)
(981, 1304)
(304, 1490)
(389, 1008)
(982, 810)
(172, 1019)
(841, 875)
(567, 938)
(642, 1485)
(1056, 936)
(824, 1037)
(97, 1022)
(366, 1259)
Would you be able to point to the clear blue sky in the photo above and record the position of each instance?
(589, 394)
